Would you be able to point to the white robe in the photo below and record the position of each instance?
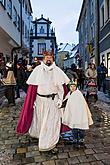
(46, 121)
(77, 113)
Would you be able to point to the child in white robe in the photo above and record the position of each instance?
(77, 115)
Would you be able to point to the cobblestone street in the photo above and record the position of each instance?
(21, 150)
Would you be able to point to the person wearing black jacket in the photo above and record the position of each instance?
(20, 79)
(101, 72)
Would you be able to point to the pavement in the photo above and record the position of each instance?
(23, 150)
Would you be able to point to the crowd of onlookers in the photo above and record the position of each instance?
(16, 81)
(99, 74)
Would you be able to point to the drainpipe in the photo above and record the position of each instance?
(97, 53)
(19, 47)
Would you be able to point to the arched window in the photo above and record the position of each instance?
(41, 30)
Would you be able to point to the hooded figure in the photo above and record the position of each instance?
(41, 115)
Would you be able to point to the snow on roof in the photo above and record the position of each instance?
(65, 47)
(73, 53)
(75, 50)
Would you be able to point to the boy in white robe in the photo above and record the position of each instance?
(77, 115)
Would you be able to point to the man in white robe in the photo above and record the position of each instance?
(46, 121)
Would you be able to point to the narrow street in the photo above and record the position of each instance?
(44, 46)
(22, 150)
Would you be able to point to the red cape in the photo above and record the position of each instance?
(26, 114)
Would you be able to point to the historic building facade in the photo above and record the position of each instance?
(73, 57)
(94, 33)
(42, 38)
(104, 35)
(64, 52)
(9, 27)
(87, 28)
(15, 19)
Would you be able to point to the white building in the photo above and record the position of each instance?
(15, 17)
(9, 26)
(26, 25)
(42, 38)
(64, 52)
(72, 58)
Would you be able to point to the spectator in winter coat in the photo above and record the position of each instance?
(9, 82)
(102, 71)
(20, 79)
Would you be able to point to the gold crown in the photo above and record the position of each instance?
(73, 82)
(47, 53)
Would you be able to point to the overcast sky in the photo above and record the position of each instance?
(63, 14)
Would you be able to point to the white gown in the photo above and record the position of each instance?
(46, 121)
(77, 113)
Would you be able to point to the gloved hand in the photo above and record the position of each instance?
(59, 103)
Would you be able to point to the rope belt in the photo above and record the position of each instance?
(48, 96)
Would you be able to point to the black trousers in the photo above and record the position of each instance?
(10, 93)
(23, 87)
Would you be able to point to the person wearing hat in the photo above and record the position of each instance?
(77, 115)
(9, 82)
(41, 114)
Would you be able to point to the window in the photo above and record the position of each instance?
(86, 20)
(102, 16)
(41, 30)
(25, 31)
(103, 59)
(41, 48)
(19, 23)
(27, 35)
(92, 7)
(26, 9)
(92, 31)
(23, 2)
(9, 7)
(108, 63)
(3, 2)
(107, 9)
(14, 16)
(33, 28)
(22, 27)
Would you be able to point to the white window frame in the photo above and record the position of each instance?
(41, 48)
(18, 23)
(42, 31)
(102, 15)
(9, 8)
(14, 16)
(3, 2)
(106, 10)
(108, 63)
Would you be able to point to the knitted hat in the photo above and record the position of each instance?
(9, 64)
